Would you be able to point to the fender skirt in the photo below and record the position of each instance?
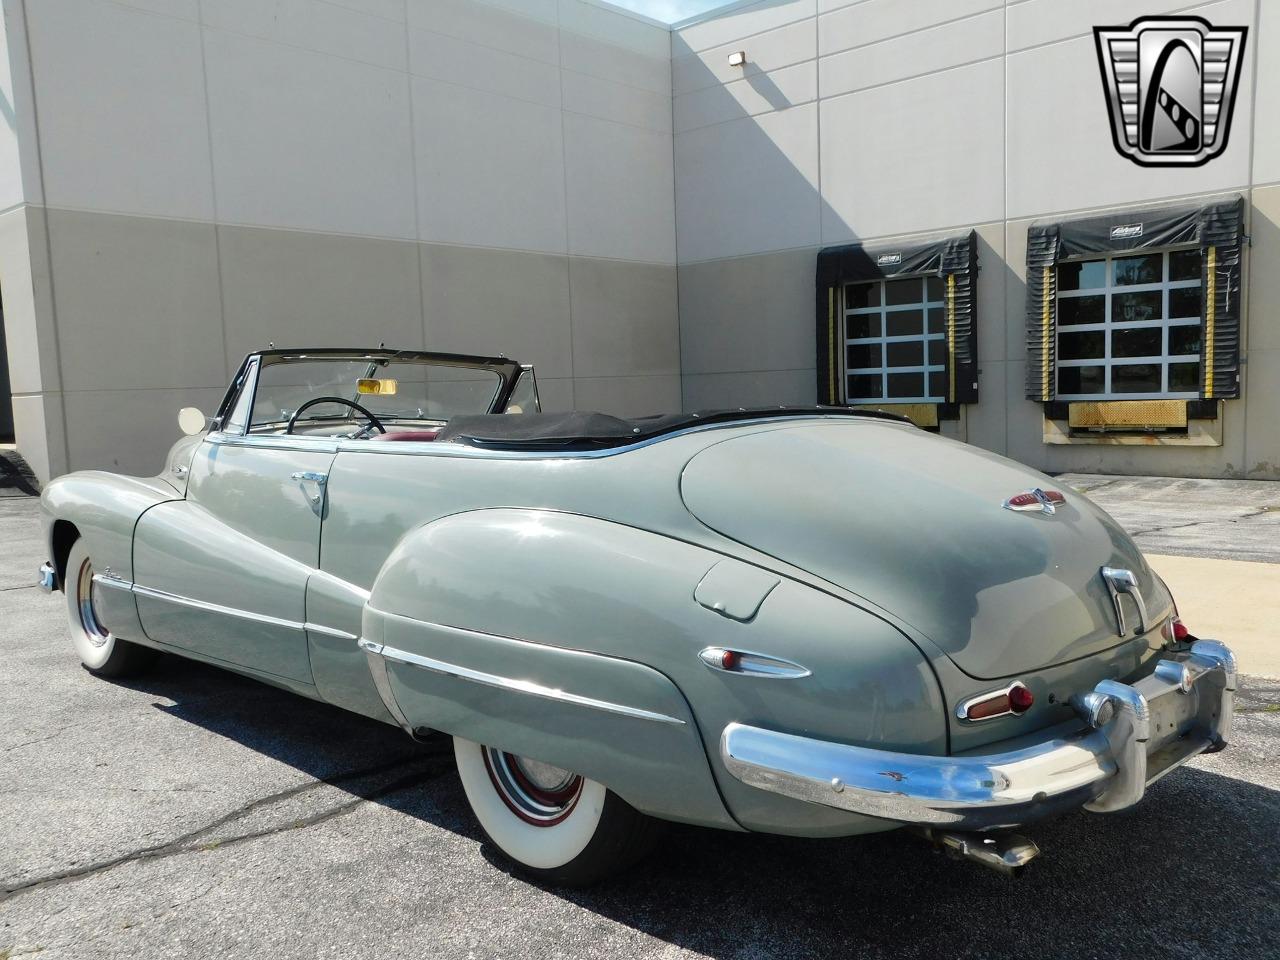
(612, 720)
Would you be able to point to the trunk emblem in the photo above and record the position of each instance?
(1037, 500)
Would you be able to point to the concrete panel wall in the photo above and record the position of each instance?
(493, 176)
(895, 121)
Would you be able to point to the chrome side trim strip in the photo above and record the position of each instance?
(216, 608)
(515, 686)
(102, 580)
(329, 631)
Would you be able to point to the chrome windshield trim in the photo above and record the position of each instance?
(209, 607)
(507, 683)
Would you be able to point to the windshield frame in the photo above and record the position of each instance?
(507, 371)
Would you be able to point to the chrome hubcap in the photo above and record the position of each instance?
(87, 605)
(538, 793)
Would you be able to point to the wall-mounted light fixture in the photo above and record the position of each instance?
(738, 58)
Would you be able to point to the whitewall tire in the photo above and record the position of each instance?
(552, 823)
(101, 651)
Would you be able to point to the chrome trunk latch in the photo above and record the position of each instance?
(1120, 582)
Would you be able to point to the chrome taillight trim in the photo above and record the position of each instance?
(753, 664)
(962, 711)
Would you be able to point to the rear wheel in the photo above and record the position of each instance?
(102, 652)
(553, 824)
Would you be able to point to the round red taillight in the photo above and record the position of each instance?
(729, 660)
(1020, 699)
(1180, 631)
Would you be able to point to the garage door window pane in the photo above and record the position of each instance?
(1136, 378)
(905, 385)
(1144, 269)
(1082, 381)
(1135, 307)
(1184, 302)
(899, 292)
(1184, 341)
(1091, 345)
(904, 323)
(1084, 275)
(1140, 342)
(862, 355)
(1184, 265)
(1184, 377)
(1082, 310)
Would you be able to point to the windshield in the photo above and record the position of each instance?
(405, 390)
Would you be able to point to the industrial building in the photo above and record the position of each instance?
(922, 205)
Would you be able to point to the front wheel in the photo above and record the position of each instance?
(101, 651)
(553, 824)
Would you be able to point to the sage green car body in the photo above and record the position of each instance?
(874, 555)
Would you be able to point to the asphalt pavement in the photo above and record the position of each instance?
(196, 813)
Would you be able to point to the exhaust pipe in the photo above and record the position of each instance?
(1006, 853)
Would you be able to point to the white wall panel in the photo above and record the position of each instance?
(620, 191)
(490, 169)
(318, 25)
(919, 155)
(876, 20)
(751, 96)
(610, 100)
(794, 43)
(528, 35)
(309, 141)
(599, 59)
(121, 109)
(455, 61)
(913, 55)
(748, 186)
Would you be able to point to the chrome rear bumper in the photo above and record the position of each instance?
(48, 577)
(1133, 735)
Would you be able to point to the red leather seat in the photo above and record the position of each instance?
(418, 436)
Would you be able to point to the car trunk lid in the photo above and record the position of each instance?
(916, 525)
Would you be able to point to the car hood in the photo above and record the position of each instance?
(915, 524)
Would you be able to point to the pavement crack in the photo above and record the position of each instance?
(190, 842)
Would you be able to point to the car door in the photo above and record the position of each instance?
(223, 573)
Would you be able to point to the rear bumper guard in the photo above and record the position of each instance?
(1133, 735)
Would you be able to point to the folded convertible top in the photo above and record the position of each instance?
(590, 431)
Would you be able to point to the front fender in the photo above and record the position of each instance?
(480, 618)
(103, 508)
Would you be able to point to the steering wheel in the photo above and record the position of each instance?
(373, 421)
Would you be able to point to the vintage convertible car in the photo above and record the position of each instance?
(815, 622)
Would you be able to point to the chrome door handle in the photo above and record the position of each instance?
(310, 476)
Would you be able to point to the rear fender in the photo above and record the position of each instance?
(497, 624)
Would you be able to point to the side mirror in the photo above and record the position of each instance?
(191, 421)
